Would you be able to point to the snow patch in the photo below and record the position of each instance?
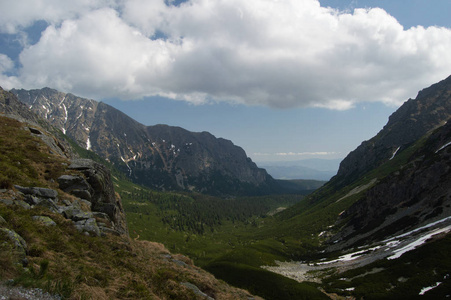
(64, 98)
(427, 289)
(443, 147)
(417, 242)
(65, 111)
(88, 144)
(394, 153)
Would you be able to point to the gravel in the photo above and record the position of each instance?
(21, 293)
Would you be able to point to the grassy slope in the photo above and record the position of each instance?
(61, 260)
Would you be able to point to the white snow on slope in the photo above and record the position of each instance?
(427, 289)
(443, 147)
(394, 153)
(417, 242)
(88, 144)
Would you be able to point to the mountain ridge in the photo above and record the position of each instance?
(159, 156)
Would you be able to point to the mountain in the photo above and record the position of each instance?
(414, 119)
(316, 169)
(404, 172)
(160, 156)
(63, 233)
(380, 228)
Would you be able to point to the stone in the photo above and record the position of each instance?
(83, 194)
(196, 290)
(7, 201)
(37, 191)
(89, 226)
(82, 215)
(23, 204)
(30, 199)
(76, 185)
(18, 242)
(47, 221)
(2, 220)
(49, 204)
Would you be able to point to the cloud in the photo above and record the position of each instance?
(282, 54)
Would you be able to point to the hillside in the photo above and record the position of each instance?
(63, 227)
(160, 156)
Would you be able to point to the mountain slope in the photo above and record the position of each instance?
(158, 156)
(63, 228)
(415, 118)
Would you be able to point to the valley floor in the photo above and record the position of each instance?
(391, 248)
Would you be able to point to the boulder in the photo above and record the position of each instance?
(89, 226)
(76, 185)
(37, 191)
(19, 244)
(49, 204)
(44, 220)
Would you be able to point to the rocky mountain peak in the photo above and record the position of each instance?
(160, 156)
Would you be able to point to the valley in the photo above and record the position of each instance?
(378, 229)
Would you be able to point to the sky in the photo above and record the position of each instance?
(283, 79)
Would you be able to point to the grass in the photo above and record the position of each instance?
(32, 164)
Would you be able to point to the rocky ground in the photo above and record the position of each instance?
(20, 293)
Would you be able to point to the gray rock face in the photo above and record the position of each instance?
(100, 186)
(430, 109)
(417, 191)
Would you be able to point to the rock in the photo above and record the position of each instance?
(101, 215)
(196, 290)
(49, 204)
(23, 204)
(34, 130)
(32, 200)
(83, 194)
(44, 220)
(75, 185)
(2, 220)
(88, 225)
(74, 214)
(20, 246)
(7, 201)
(103, 197)
(37, 191)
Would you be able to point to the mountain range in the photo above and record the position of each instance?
(161, 156)
(313, 169)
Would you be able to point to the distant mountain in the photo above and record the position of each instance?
(316, 169)
(160, 156)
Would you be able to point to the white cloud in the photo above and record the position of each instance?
(6, 65)
(282, 54)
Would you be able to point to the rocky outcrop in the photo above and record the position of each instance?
(86, 216)
(97, 188)
(161, 157)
